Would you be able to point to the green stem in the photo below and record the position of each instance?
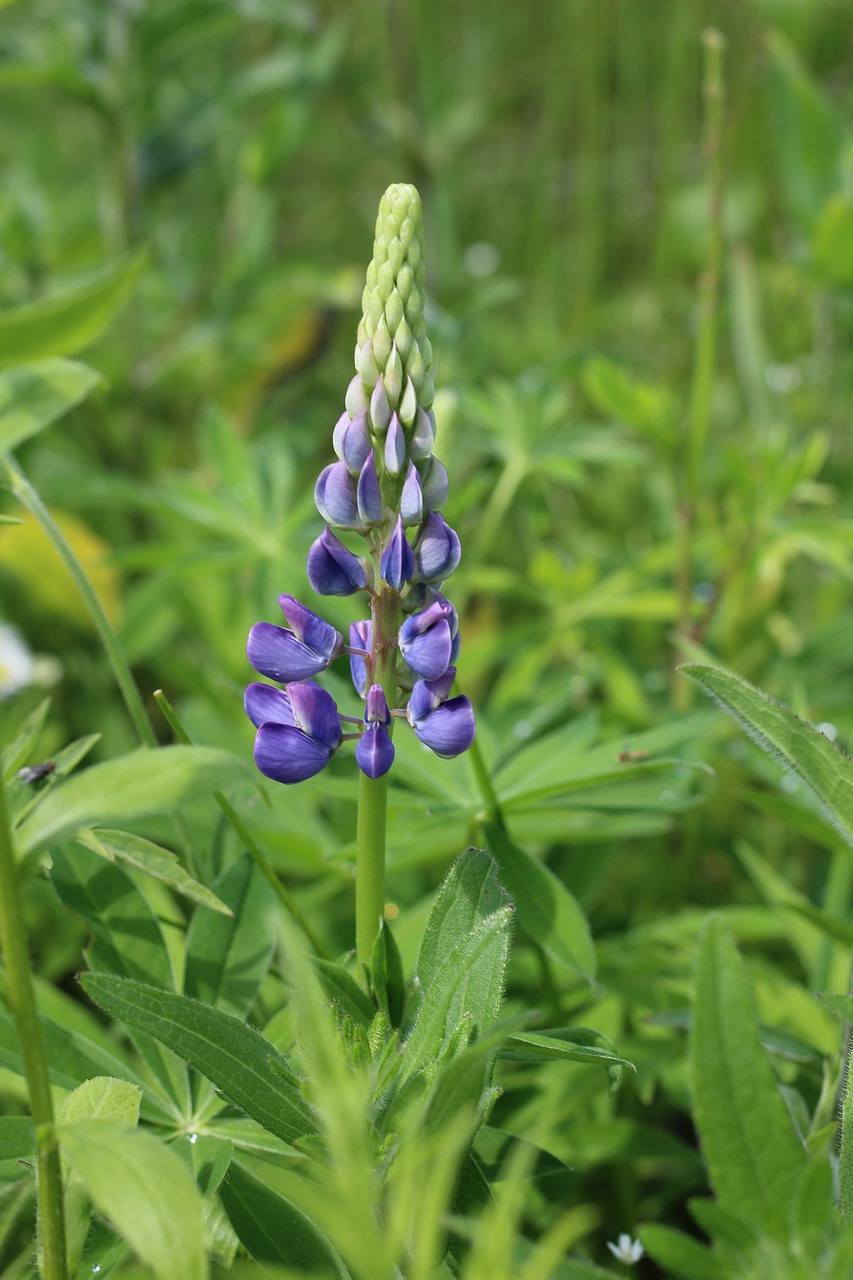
(21, 998)
(370, 863)
(372, 821)
(705, 353)
(27, 496)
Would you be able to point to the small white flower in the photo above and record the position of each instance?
(626, 1250)
(17, 666)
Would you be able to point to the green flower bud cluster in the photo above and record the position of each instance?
(392, 341)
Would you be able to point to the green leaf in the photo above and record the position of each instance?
(680, 1255)
(145, 1191)
(650, 410)
(466, 988)
(753, 1154)
(832, 243)
(547, 912)
(470, 893)
(33, 397)
(132, 786)
(101, 1098)
(794, 743)
(153, 860)
(17, 752)
(70, 319)
(841, 1005)
(273, 1229)
(127, 936)
(228, 956)
(569, 1044)
(344, 991)
(386, 972)
(845, 1155)
(73, 1058)
(243, 1066)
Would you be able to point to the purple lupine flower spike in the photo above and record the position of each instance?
(398, 562)
(388, 488)
(332, 569)
(375, 751)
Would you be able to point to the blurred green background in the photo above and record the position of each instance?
(208, 173)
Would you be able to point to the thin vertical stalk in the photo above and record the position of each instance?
(27, 496)
(372, 822)
(21, 998)
(705, 352)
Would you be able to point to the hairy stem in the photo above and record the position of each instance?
(370, 836)
(21, 998)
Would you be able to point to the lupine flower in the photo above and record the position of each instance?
(299, 729)
(297, 654)
(375, 750)
(387, 486)
(332, 569)
(445, 725)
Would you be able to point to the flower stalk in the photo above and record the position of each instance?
(387, 487)
(21, 998)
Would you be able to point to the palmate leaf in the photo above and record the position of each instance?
(33, 397)
(753, 1154)
(792, 742)
(243, 1066)
(139, 783)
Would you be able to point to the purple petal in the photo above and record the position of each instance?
(377, 706)
(277, 654)
(356, 444)
(395, 448)
(335, 496)
(418, 623)
(316, 713)
(360, 637)
(374, 752)
(288, 755)
(437, 550)
(428, 654)
(429, 694)
(266, 705)
(398, 561)
(412, 498)
(449, 729)
(309, 627)
(369, 495)
(332, 569)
